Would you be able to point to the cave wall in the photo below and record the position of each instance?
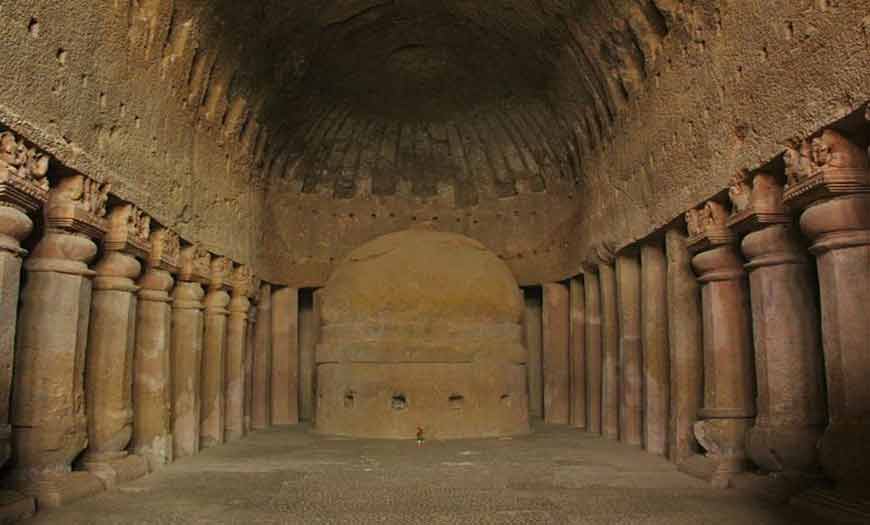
(733, 84)
(127, 92)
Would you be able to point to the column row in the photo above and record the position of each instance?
(743, 343)
(156, 350)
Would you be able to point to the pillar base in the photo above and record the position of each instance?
(833, 506)
(719, 471)
(15, 507)
(112, 471)
(59, 489)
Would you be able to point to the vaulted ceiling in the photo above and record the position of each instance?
(382, 97)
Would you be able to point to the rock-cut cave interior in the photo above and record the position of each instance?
(435, 261)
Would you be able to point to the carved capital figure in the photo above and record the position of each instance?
(195, 264)
(757, 202)
(220, 273)
(826, 166)
(23, 170)
(129, 231)
(77, 204)
(708, 227)
(165, 250)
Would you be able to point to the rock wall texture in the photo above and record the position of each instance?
(286, 133)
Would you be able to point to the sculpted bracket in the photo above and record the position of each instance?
(826, 166)
(23, 174)
(129, 231)
(78, 204)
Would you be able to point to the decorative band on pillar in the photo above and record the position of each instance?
(111, 342)
(152, 389)
(829, 180)
(187, 340)
(50, 426)
(23, 190)
(785, 317)
(214, 353)
(728, 362)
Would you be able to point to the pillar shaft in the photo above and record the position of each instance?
(729, 372)
(152, 389)
(578, 353)
(187, 332)
(609, 352)
(532, 323)
(843, 260)
(630, 350)
(15, 225)
(285, 356)
(593, 351)
(556, 356)
(109, 373)
(829, 179)
(791, 403)
(261, 409)
(309, 328)
(250, 349)
(237, 342)
(686, 348)
(49, 416)
(654, 334)
(212, 403)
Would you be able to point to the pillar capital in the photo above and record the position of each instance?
(220, 273)
(756, 203)
(708, 227)
(195, 264)
(824, 167)
(129, 231)
(165, 253)
(243, 281)
(77, 204)
(23, 181)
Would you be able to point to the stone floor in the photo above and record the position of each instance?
(290, 476)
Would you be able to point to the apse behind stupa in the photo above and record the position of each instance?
(421, 329)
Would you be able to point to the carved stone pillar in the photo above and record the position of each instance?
(187, 332)
(285, 356)
(578, 353)
(556, 357)
(609, 345)
(261, 407)
(592, 290)
(654, 334)
(532, 324)
(23, 190)
(152, 377)
(785, 322)
(685, 338)
(237, 344)
(212, 402)
(111, 340)
(829, 180)
(630, 364)
(49, 419)
(729, 375)
(250, 349)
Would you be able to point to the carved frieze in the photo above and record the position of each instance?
(165, 250)
(23, 170)
(78, 204)
(221, 271)
(708, 227)
(825, 166)
(756, 202)
(195, 264)
(129, 231)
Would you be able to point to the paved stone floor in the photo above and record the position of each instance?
(290, 476)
